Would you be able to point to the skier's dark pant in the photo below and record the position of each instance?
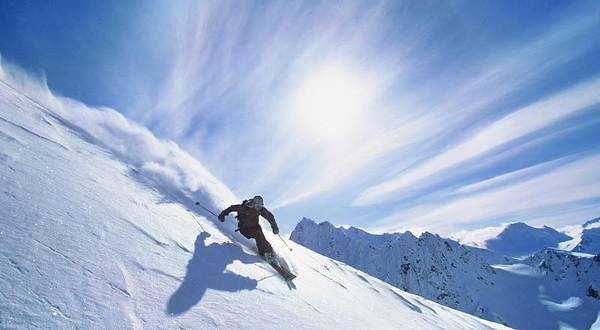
(261, 242)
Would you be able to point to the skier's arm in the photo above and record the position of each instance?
(271, 218)
(225, 212)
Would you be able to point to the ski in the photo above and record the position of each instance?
(286, 274)
(273, 260)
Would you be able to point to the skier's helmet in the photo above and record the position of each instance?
(258, 202)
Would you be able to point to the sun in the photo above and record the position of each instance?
(330, 105)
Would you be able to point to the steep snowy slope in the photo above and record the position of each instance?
(531, 295)
(94, 235)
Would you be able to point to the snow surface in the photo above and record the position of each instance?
(95, 233)
(551, 290)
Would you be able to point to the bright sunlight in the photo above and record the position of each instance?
(330, 105)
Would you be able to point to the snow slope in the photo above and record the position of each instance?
(96, 233)
(551, 290)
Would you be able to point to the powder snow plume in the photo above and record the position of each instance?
(162, 162)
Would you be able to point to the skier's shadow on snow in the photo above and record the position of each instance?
(206, 270)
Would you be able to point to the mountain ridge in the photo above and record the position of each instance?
(462, 278)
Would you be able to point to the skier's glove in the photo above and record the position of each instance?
(275, 230)
(222, 217)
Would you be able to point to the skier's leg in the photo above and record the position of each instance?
(261, 242)
(263, 245)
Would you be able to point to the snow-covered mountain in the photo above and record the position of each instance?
(587, 238)
(550, 290)
(592, 223)
(590, 241)
(519, 239)
(429, 266)
(99, 230)
(522, 240)
(572, 277)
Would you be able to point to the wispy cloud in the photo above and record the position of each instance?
(408, 123)
(514, 125)
(234, 67)
(229, 88)
(449, 84)
(511, 177)
(575, 182)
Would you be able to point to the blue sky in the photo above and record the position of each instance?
(386, 115)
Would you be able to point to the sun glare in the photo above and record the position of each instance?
(330, 105)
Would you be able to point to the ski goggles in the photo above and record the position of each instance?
(254, 205)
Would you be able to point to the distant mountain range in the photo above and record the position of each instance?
(519, 239)
(592, 223)
(590, 241)
(549, 289)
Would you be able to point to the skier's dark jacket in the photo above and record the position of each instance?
(248, 217)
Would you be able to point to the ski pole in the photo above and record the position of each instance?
(198, 222)
(285, 242)
(207, 210)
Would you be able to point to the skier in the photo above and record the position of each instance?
(248, 226)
